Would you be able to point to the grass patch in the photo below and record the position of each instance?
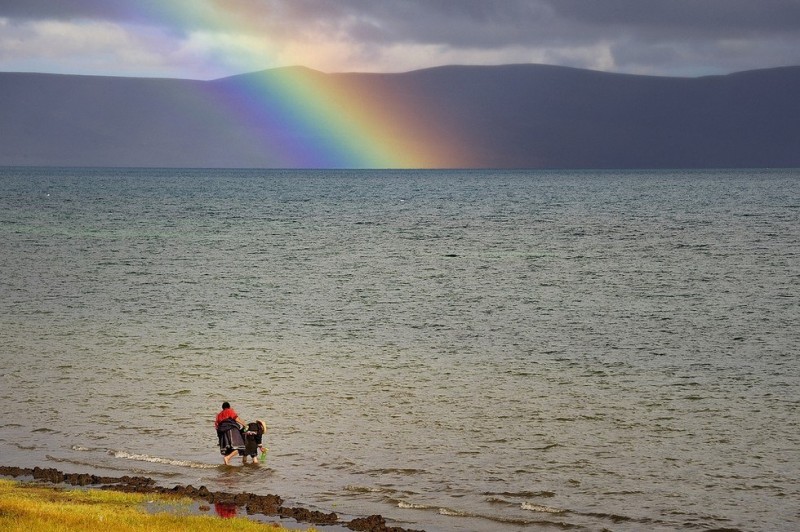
(25, 507)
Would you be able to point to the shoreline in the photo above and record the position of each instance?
(250, 503)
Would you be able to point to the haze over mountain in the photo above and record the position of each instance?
(513, 116)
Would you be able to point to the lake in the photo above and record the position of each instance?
(455, 350)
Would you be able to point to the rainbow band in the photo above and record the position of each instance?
(303, 118)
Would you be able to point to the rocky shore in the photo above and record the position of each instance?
(268, 505)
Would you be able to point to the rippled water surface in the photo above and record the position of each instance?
(453, 350)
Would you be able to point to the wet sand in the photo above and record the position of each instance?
(250, 503)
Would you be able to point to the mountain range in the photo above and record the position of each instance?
(511, 116)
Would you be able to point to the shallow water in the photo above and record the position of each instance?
(459, 350)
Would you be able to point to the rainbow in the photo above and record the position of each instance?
(307, 119)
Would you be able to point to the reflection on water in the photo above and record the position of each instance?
(225, 510)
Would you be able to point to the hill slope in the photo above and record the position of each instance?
(506, 116)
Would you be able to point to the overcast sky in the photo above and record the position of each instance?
(204, 39)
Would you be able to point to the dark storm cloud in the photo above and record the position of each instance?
(654, 36)
(710, 16)
(641, 35)
(66, 9)
(478, 22)
(446, 21)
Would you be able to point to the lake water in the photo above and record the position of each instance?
(455, 350)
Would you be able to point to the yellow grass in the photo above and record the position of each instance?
(25, 507)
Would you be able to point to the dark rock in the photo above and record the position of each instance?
(264, 504)
(13, 471)
(308, 516)
(373, 523)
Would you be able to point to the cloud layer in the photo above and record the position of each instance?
(212, 38)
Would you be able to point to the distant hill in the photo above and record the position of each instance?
(514, 116)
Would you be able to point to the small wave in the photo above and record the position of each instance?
(499, 501)
(543, 447)
(454, 513)
(450, 512)
(618, 518)
(80, 448)
(366, 489)
(540, 508)
(411, 506)
(440, 510)
(179, 392)
(108, 467)
(397, 471)
(159, 460)
(522, 494)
